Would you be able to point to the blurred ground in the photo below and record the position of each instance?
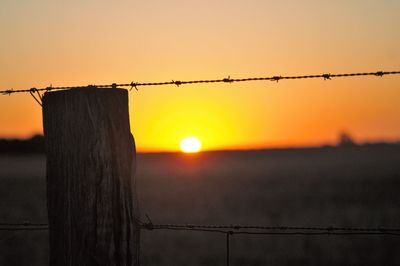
(352, 186)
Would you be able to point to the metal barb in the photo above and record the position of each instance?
(326, 76)
(133, 85)
(276, 78)
(177, 82)
(228, 79)
(7, 92)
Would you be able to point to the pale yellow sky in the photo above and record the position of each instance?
(87, 42)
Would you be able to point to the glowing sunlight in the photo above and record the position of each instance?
(190, 145)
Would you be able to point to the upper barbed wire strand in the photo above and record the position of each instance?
(135, 85)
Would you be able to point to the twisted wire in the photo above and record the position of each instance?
(271, 228)
(24, 226)
(234, 229)
(135, 85)
(272, 232)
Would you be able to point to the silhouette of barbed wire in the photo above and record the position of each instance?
(178, 83)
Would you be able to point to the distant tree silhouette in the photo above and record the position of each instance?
(35, 144)
(345, 140)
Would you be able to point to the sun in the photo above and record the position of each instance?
(190, 145)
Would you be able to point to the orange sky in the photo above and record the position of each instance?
(85, 42)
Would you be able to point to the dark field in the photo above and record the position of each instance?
(355, 187)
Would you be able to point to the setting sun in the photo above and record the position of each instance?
(190, 145)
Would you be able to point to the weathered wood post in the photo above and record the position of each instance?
(90, 178)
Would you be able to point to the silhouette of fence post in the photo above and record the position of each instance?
(90, 178)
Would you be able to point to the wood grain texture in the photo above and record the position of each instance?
(90, 178)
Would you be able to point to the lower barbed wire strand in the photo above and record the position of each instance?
(41, 228)
(234, 229)
(305, 233)
(258, 227)
(23, 224)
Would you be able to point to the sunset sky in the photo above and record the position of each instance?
(100, 42)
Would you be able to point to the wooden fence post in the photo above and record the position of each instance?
(90, 178)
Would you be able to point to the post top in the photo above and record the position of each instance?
(86, 91)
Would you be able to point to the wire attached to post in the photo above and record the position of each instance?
(32, 91)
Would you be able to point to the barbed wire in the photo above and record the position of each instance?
(178, 83)
(230, 230)
(273, 230)
(234, 229)
(24, 226)
(238, 228)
